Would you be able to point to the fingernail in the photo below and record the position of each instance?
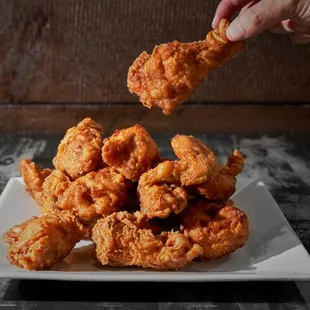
(233, 32)
(213, 24)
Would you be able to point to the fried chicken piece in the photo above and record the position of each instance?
(223, 184)
(130, 151)
(160, 192)
(34, 177)
(198, 163)
(40, 242)
(219, 230)
(53, 187)
(168, 76)
(122, 240)
(79, 152)
(95, 194)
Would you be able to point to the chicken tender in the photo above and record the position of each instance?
(219, 230)
(130, 151)
(34, 177)
(79, 152)
(95, 194)
(168, 76)
(223, 184)
(122, 240)
(160, 192)
(198, 163)
(41, 242)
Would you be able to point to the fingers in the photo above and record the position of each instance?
(257, 18)
(226, 9)
(300, 38)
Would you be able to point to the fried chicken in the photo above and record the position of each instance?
(53, 187)
(223, 184)
(40, 242)
(168, 76)
(130, 151)
(34, 177)
(160, 192)
(79, 152)
(198, 163)
(219, 230)
(95, 194)
(122, 240)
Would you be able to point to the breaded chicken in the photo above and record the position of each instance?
(198, 163)
(130, 151)
(79, 152)
(222, 185)
(159, 191)
(122, 240)
(168, 76)
(95, 194)
(41, 242)
(34, 177)
(219, 230)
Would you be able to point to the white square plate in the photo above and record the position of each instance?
(273, 251)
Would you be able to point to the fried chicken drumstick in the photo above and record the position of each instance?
(121, 239)
(168, 76)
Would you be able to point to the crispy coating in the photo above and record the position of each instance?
(40, 242)
(223, 184)
(34, 177)
(219, 230)
(168, 76)
(79, 152)
(95, 194)
(122, 240)
(53, 187)
(198, 162)
(160, 192)
(130, 151)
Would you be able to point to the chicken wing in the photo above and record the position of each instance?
(159, 191)
(41, 242)
(130, 151)
(168, 76)
(219, 230)
(34, 177)
(95, 194)
(79, 151)
(122, 240)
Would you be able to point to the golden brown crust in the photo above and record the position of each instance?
(168, 76)
(41, 242)
(130, 151)
(79, 152)
(34, 177)
(222, 185)
(95, 194)
(219, 230)
(159, 191)
(122, 240)
(198, 162)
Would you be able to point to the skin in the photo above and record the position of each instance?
(279, 16)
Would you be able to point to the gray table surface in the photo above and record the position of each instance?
(282, 162)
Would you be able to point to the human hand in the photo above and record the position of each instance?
(279, 16)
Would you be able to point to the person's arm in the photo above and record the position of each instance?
(280, 16)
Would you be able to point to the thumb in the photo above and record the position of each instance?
(258, 18)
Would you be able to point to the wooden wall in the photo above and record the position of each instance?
(80, 51)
